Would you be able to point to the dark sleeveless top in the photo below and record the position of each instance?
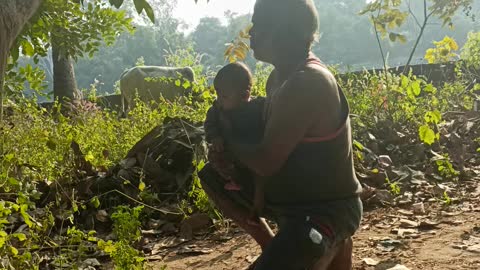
(319, 169)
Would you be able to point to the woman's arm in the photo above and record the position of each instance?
(296, 108)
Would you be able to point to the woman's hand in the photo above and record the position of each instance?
(217, 145)
(220, 164)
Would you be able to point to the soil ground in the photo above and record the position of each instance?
(445, 237)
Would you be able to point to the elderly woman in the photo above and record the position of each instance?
(306, 152)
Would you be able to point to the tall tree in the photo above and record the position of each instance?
(72, 30)
(148, 41)
(64, 82)
(14, 14)
(209, 36)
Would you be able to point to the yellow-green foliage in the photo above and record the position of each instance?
(35, 146)
(41, 140)
(444, 51)
(405, 100)
(471, 51)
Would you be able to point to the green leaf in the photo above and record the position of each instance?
(9, 157)
(116, 3)
(429, 88)
(416, 88)
(95, 202)
(141, 186)
(410, 93)
(358, 145)
(13, 250)
(3, 238)
(89, 156)
(108, 247)
(20, 236)
(427, 135)
(149, 11)
(186, 84)
(178, 82)
(25, 215)
(141, 5)
(433, 117)
(392, 37)
(15, 52)
(206, 95)
(27, 48)
(14, 182)
(404, 81)
(138, 5)
(402, 38)
(74, 206)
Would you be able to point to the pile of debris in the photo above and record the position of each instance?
(162, 163)
(395, 168)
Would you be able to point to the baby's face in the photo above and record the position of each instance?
(229, 99)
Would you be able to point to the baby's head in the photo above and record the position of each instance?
(232, 84)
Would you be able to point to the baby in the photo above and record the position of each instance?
(236, 117)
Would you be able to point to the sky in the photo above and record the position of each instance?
(191, 13)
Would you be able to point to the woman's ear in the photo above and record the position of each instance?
(247, 95)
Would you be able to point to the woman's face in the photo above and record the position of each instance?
(261, 34)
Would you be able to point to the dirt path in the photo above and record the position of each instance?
(438, 240)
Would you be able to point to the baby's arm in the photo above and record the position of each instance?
(212, 127)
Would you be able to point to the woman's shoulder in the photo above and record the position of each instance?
(271, 81)
(312, 78)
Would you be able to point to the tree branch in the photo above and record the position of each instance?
(425, 10)
(378, 38)
(420, 35)
(380, 46)
(413, 14)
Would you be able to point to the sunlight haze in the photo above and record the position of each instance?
(191, 13)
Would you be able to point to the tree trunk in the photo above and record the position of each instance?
(64, 82)
(13, 16)
(4, 48)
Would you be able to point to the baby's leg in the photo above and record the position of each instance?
(225, 167)
(232, 176)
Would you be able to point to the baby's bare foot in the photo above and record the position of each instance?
(232, 186)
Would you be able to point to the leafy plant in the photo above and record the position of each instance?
(471, 50)
(446, 199)
(237, 49)
(388, 15)
(428, 132)
(199, 197)
(126, 226)
(446, 169)
(393, 187)
(444, 51)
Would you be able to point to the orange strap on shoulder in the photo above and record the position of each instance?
(314, 60)
(325, 138)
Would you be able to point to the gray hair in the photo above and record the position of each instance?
(293, 20)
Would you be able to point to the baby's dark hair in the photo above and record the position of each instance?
(235, 75)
